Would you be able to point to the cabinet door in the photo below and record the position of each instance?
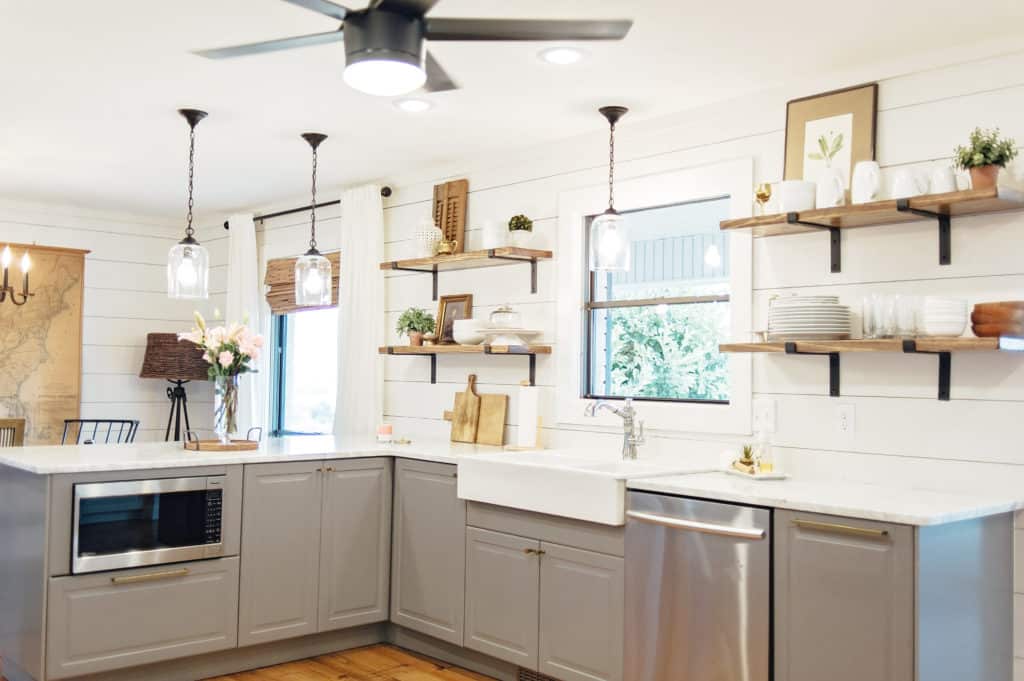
(582, 603)
(98, 623)
(429, 551)
(844, 599)
(502, 596)
(280, 551)
(355, 545)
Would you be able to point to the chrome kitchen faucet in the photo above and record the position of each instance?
(632, 429)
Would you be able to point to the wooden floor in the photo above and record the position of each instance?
(375, 663)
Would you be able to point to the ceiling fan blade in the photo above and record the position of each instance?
(413, 7)
(526, 29)
(323, 7)
(438, 79)
(272, 45)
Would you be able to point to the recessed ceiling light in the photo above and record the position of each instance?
(413, 105)
(562, 56)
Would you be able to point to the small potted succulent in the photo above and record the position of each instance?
(984, 156)
(415, 322)
(520, 231)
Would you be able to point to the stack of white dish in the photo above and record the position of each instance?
(477, 331)
(808, 318)
(939, 316)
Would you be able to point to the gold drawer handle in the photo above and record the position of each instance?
(150, 577)
(841, 529)
(534, 552)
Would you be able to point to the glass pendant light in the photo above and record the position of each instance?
(313, 284)
(610, 247)
(188, 263)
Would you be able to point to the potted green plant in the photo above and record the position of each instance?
(985, 155)
(415, 322)
(520, 231)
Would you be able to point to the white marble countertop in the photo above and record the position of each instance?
(56, 460)
(895, 503)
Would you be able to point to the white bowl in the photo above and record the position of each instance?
(930, 327)
(469, 331)
(794, 195)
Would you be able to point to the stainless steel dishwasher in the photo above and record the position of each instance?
(698, 590)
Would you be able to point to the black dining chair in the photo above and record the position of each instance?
(92, 431)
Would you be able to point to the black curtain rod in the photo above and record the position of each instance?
(385, 191)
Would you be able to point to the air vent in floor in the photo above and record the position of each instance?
(530, 675)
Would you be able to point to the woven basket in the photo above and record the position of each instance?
(173, 359)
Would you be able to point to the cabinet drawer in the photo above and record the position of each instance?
(108, 621)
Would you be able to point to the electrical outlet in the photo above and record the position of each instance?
(846, 420)
(764, 415)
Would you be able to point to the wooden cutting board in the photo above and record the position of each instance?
(491, 427)
(466, 413)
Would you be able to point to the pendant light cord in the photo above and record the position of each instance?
(312, 209)
(191, 174)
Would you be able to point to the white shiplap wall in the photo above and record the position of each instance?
(125, 298)
(901, 430)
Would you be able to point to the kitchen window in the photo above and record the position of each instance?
(652, 333)
(305, 372)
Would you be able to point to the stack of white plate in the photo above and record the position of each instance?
(940, 316)
(808, 318)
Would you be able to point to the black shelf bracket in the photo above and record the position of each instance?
(520, 351)
(432, 271)
(433, 363)
(945, 232)
(945, 366)
(835, 245)
(533, 266)
(833, 366)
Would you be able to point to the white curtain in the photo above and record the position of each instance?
(360, 313)
(245, 301)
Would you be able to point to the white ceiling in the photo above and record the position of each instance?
(89, 88)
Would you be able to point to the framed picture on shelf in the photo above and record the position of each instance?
(829, 133)
(449, 309)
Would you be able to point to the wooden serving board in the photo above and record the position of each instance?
(491, 428)
(218, 446)
(466, 413)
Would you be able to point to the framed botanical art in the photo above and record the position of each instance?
(449, 309)
(831, 132)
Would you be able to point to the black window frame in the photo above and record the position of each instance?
(590, 306)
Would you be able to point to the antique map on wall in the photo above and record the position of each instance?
(41, 343)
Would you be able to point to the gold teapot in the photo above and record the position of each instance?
(447, 247)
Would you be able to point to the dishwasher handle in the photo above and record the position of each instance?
(695, 526)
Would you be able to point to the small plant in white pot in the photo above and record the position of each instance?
(986, 154)
(415, 322)
(520, 231)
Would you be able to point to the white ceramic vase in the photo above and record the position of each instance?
(520, 238)
(831, 189)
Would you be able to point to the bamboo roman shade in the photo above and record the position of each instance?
(281, 282)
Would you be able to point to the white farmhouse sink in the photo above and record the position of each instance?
(567, 484)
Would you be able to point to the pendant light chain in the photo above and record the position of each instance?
(312, 209)
(611, 167)
(191, 174)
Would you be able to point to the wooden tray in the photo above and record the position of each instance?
(218, 446)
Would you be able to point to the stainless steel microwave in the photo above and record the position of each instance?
(137, 523)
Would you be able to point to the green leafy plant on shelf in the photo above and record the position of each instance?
(986, 148)
(520, 223)
(415, 322)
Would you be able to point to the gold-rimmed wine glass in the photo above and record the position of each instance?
(763, 194)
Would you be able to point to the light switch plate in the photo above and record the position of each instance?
(846, 421)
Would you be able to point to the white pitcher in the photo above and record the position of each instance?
(867, 182)
(831, 190)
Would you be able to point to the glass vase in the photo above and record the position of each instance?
(225, 407)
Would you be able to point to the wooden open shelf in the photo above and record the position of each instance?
(938, 207)
(493, 257)
(943, 348)
(432, 351)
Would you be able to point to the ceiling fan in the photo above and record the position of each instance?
(384, 43)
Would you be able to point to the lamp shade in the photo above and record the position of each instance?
(173, 359)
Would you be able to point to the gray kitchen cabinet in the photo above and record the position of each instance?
(844, 599)
(280, 551)
(428, 551)
(582, 603)
(355, 546)
(101, 622)
(502, 596)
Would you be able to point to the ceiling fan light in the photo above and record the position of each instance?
(385, 76)
(561, 56)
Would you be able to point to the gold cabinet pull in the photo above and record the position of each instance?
(841, 529)
(150, 577)
(329, 469)
(534, 552)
